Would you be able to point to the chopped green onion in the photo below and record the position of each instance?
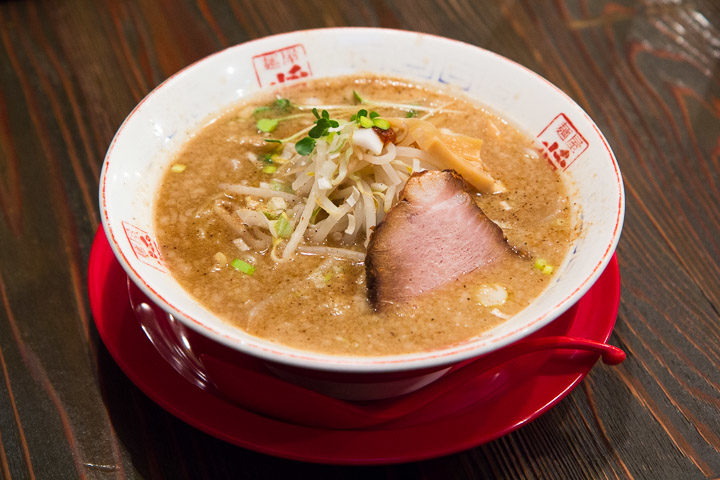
(242, 266)
(279, 186)
(357, 97)
(178, 168)
(269, 169)
(283, 227)
(381, 123)
(267, 124)
(542, 265)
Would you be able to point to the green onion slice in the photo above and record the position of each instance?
(283, 227)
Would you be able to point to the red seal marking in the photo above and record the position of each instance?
(561, 142)
(280, 66)
(144, 246)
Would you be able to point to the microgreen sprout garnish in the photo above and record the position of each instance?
(369, 120)
(242, 266)
(322, 127)
(305, 146)
(279, 105)
(267, 119)
(267, 124)
(357, 97)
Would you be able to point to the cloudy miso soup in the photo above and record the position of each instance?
(265, 215)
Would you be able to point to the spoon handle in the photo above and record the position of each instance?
(610, 354)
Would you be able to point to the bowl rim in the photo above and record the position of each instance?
(291, 356)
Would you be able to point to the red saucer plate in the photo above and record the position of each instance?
(480, 419)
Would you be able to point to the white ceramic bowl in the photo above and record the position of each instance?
(164, 120)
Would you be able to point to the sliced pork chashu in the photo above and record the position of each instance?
(433, 235)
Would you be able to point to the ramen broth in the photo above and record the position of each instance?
(319, 303)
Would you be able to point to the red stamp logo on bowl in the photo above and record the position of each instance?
(144, 246)
(280, 66)
(561, 142)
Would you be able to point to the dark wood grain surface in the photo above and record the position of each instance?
(648, 72)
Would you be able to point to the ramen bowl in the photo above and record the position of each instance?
(157, 128)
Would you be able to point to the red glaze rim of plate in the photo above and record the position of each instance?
(483, 421)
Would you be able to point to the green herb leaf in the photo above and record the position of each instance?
(267, 124)
(262, 109)
(282, 104)
(242, 266)
(365, 122)
(357, 97)
(374, 114)
(381, 123)
(319, 129)
(305, 146)
(411, 114)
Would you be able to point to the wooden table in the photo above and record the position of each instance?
(648, 72)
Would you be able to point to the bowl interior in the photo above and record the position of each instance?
(166, 118)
